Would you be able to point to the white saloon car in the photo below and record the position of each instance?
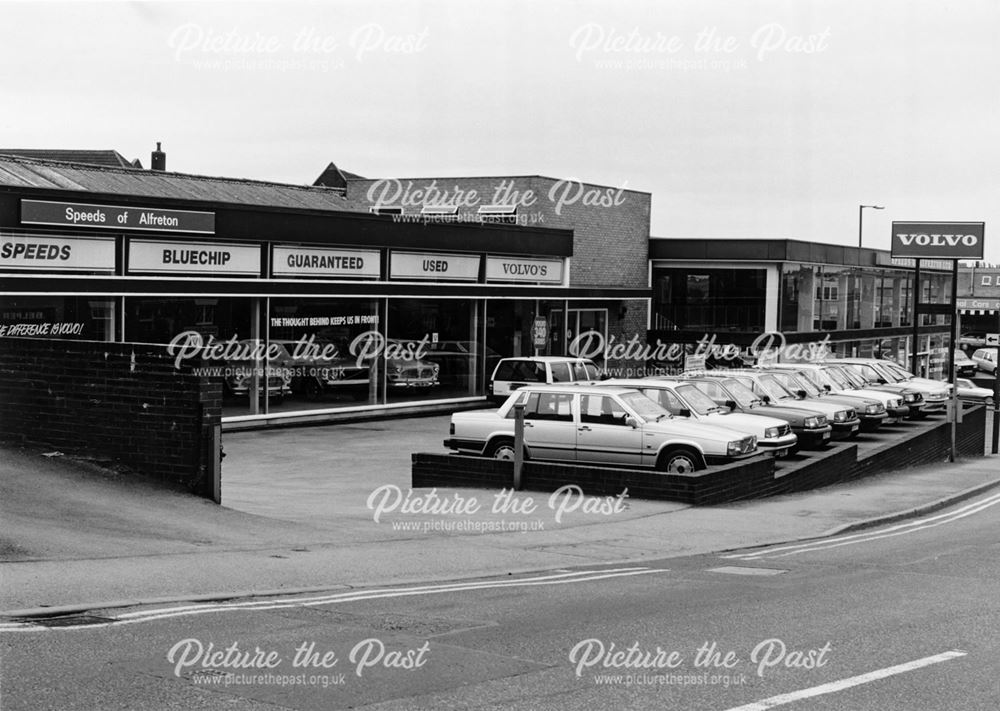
(683, 399)
(599, 426)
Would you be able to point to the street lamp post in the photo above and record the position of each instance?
(861, 216)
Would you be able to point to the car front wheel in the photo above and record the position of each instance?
(679, 461)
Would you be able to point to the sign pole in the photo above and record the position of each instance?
(916, 320)
(518, 444)
(996, 397)
(955, 403)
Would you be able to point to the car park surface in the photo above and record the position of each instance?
(597, 425)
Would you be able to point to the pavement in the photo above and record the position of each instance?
(299, 514)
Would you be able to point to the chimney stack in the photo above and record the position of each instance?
(158, 160)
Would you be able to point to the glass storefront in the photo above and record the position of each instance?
(696, 299)
(89, 318)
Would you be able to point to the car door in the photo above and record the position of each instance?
(549, 425)
(603, 437)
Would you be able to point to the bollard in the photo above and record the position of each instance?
(518, 444)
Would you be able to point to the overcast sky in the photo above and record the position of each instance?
(745, 119)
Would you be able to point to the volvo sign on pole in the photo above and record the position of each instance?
(939, 240)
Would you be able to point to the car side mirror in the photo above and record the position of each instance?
(605, 376)
(801, 394)
(827, 388)
(631, 421)
(881, 381)
(765, 398)
(731, 404)
(684, 412)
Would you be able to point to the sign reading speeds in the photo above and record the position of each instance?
(56, 253)
(938, 240)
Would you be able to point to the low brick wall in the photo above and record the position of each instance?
(753, 478)
(120, 401)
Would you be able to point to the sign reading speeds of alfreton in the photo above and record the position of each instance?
(938, 240)
(115, 217)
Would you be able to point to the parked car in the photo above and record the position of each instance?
(239, 374)
(985, 360)
(884, 372)
(813, 430)
(843, 418)
(871, 411)
(964, 366)
(513, 373)
(913, 400)
(409, 373)
(972, 339)
(315, 376)
(597, 425)
(970, 392)
(457, 360)
(683, 399)
(830, 379)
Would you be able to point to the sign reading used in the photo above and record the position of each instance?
(53, 254)
(75, 214)
(192, 258)
(938, 240)
(415, 265)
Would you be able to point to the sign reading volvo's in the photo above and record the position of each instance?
(193, 258)
(55, 254)
(938, 240)
(112, 217)
(523, 269)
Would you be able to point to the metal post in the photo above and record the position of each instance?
(955, 404)
(916, 319)
(996, 399)
(518, 444)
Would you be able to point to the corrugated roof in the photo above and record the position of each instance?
(16, 171)
(107, 158)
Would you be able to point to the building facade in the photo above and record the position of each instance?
(858, 301)
(312, 306)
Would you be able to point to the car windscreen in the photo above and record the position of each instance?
(818, 378)
(849, 375)
(697, 400)
(643, 406)
(892, 372)
(838, 379)
(772, 388)
(798, 381)
(743, 395)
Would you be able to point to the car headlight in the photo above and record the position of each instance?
(840, 416)
(811, 422)
(771, 432)
(912, 397)
(874, 409)
(741, 446)
(435, 368)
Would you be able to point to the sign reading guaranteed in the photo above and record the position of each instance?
(49, 253)
(938, 240)
(192, 258)
(75, 214)
(309, 261)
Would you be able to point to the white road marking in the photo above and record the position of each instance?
(835, 686)
(897, 530)
(352, 596)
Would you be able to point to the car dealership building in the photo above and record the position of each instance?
(396, 305)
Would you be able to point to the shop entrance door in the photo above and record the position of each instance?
(584, 320)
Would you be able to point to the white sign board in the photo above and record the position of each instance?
(522, 269)
(333, 263)
(993, 339)
(192, 258)
(430, 265)
(54, 254)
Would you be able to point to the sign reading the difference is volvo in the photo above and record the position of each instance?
(154, 257)
(331, 263)
(114, 217)
(938, 240)
(523, 269)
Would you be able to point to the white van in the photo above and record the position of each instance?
(513, 373)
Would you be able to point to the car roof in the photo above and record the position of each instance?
(643, 382)
(576, 387)
(549, 359)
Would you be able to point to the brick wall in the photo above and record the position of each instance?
(754, 478)
(121, 401)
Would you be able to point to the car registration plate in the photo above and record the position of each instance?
(854, 428)
(778, 453)
(826, 436)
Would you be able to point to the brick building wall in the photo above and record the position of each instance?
(122, 401)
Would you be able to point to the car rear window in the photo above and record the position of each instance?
(524, 371)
